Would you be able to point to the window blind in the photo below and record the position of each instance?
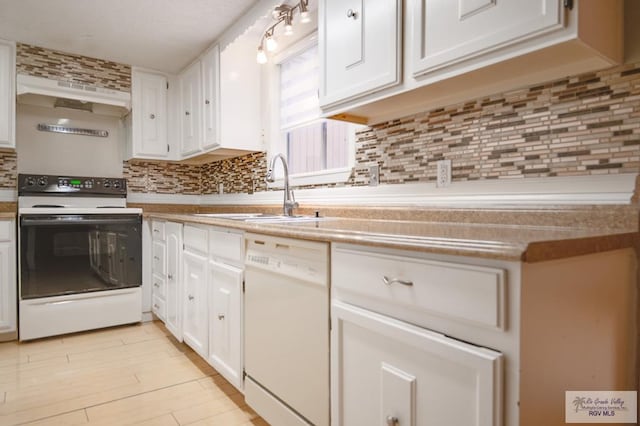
(299, 89)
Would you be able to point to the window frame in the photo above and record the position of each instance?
(278, 142)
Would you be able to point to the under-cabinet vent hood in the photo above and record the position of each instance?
(48, 92)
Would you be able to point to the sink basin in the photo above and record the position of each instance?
(260, 217)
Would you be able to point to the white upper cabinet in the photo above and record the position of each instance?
(446, 32)
(7, 94)
(191, 111)
(211, 91)
(240, 92)
(454, 51)
(149, 115)
(360, 47)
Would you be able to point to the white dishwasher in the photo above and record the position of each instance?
(287, 330)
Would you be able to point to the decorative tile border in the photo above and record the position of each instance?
(42, 62)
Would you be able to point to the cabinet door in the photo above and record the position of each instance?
(173, 319)
(360, 47)
(191, 93)
(149, 110)
(210, 106)
(384, 369)
(7, 288)
(7, 94)
(195, 314)
(447, 32)
(225, 321)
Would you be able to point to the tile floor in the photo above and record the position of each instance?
(130, 375)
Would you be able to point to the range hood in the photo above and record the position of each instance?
(55, 93)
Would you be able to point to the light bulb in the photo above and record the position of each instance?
(288, 29)
(272, 44)
(261, 57)
(304, 17)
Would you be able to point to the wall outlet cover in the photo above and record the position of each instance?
(374, 175)
(443, 177)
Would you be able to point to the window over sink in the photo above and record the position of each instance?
(318, 150)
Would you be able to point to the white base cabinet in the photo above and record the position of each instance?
(173, 285)
(195, 325)
(8, 283)
(390, 372)
(225, 321)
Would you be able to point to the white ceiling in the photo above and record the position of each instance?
(164, 35)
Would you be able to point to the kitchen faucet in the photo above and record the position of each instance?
(289, 202)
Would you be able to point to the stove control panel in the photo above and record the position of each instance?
(81, 185)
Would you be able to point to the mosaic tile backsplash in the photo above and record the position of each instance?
(8, 170)
(41, 62)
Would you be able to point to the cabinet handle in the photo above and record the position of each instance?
(152, 116)
(206, 102)
(191, 297)
(156, 257)
(155, 305)
(187, 113)
(156, 285)
(389, 281)
(352, 14)
(220, 317)
(170, 276)
(156, 230)
(392, 420)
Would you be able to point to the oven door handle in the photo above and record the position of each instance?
(77, 220)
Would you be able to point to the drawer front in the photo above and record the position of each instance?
(196, 238)
(468, 293)
(226, 245)
(159, 307)
(7, 230)
(159, 287)
(159, 253)
(158, 230)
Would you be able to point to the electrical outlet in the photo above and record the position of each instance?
(221, 188)
(443, 173)
(374, 175)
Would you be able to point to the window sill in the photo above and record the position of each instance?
(324, 177)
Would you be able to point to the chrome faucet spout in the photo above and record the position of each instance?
(289, 202)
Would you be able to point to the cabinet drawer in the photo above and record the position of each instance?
(157, 230)
(7, 230)
(159, 287)
(196, 238)
(159, 264)
(159, 307)
(462, 292)
(225, 244)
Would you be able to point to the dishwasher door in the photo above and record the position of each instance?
(287, 326)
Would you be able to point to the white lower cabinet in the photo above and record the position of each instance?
(173, 285)
(195, 302)
(225, 321)
(390, 372)
(8, 297)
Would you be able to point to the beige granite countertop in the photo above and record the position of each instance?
(516, 242)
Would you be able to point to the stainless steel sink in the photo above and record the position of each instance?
(260, 217)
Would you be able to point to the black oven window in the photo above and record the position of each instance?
(67, 254)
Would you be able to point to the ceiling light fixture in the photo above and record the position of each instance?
(283, 13)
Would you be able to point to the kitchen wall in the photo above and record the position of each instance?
(58, 153)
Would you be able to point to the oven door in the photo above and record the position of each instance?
(79, 253)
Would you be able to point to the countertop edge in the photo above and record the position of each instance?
(530, 252)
